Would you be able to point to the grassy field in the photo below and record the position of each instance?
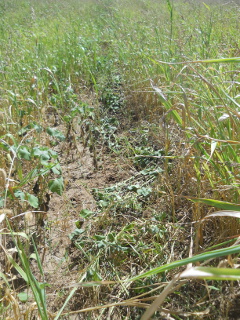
(119, 159)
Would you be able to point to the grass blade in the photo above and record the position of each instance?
(216, 203)
(212, 273)
(197, 258)
(224, 213)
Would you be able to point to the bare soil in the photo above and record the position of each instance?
(60, 258)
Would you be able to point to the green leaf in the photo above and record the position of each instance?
(151, 171)
(144, 191)
(99, 237)
(53, 153)
(37, 127)
(103, 204)
(24, 153)
(134, 187)
(76, 233)
(1, 202)
(24, 130)
(20, 194)
(29, 127)
(183, 262)
(56, 185)
(41, 153)
(55, 133)
(218, 204)
(23, 296)
(33, 256)
(56, 169)
(32, 200)
(43, 285)
(211, 273)
(78, 223)
(214, 288)
(85, 213)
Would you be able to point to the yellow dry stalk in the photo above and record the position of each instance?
(10, 299)
(29, 217)
(3, 178)
(30, 311)
(6, 212)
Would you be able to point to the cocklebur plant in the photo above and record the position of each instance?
(30, 163)
(33, 172)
